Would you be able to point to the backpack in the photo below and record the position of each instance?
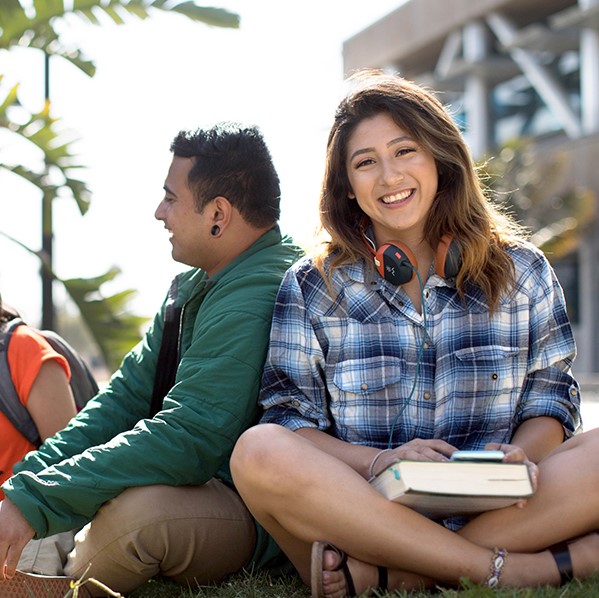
(82, 383)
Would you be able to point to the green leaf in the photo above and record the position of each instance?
(10, 99)
(81, 194)
(56, 144)
(115, 330)
(216, 17)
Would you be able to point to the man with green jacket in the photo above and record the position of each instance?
(147, 479)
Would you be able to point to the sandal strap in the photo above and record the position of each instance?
(383, 578)
(563, 560)
(343, 566)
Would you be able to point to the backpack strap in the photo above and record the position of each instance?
(168, 358)
(10, 403)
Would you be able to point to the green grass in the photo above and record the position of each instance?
(261, 585)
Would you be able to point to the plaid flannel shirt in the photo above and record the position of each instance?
(364, 365)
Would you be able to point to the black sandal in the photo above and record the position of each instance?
(383, 578)
(563, 560)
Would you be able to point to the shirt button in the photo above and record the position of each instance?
(295, 403)
(426, 293)
(427, 396)
(425, 346)
(494, 376)
(573, 391)
(364, 386)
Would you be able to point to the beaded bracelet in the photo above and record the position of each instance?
(374, 460)
(497, 563)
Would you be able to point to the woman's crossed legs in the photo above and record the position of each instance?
(301, 494)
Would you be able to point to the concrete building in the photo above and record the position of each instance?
(511, 69)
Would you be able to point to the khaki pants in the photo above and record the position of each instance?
(193, 534)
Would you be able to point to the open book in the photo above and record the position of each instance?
(443, 489)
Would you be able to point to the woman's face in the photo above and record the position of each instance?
(393, 178)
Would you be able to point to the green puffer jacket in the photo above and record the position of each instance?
(112, 444)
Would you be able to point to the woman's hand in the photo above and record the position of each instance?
(424, 450)
(515, 454)
(414, 450)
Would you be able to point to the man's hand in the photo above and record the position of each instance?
(15, 532)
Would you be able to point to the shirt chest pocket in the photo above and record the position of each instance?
(488, 371)
(369, 375)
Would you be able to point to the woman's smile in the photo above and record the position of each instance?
(397, 197)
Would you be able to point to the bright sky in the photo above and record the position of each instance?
(281, 71)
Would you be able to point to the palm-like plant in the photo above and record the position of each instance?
(34, 24)
(34, 27)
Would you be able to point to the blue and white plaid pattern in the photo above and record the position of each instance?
(348, 363)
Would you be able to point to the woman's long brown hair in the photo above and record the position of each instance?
(461, 207)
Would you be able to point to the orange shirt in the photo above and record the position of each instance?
(27, 351)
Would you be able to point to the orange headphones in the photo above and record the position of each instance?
(397, 264)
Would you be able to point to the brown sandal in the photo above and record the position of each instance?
(316, 571)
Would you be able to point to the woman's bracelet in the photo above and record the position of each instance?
(373, 462)
(497, 563)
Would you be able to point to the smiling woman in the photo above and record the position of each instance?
(364, 370)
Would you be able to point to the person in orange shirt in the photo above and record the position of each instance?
(41, 377)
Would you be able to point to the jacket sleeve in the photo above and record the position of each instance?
(190, 440)
(113, 410)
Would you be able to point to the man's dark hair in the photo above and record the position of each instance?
(234, 162)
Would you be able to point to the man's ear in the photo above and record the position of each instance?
(222, 211)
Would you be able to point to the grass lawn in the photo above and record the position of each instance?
(260, 585)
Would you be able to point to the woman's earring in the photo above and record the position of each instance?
(351, 195)
(215, 230)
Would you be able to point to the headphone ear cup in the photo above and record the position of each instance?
(448, 258)
(395, 263)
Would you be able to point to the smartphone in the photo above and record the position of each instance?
(477, 456)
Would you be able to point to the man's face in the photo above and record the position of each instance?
(189, 230)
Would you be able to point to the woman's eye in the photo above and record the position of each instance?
(405, 150)
(364, 162)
